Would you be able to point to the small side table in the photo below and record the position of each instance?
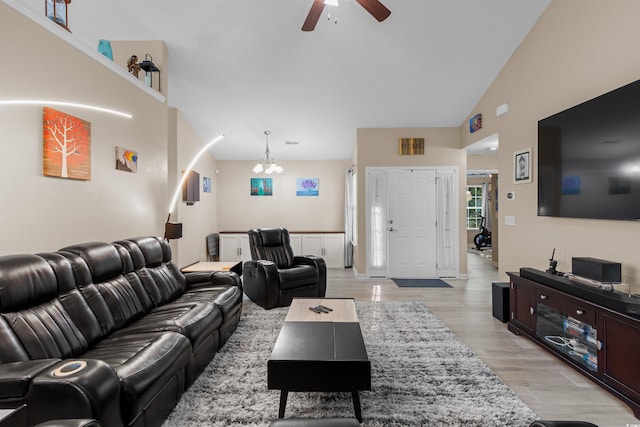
(206, 266)
(14, 417)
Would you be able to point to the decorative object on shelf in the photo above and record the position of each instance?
(56, 10)
(149, 68)
(267, 165)
(261, 186)
(132, 65)
(66, 148)
(411, 146)
(307, 186)
(172, 229)
(104, 47)
(522, 166)
(475, 123)
(126, 160)
(206, 184)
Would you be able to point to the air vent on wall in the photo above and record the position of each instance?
(292, 142)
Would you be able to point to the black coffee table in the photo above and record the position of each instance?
(320, 352)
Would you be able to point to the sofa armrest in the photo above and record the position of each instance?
(320, 265)
(16, 377)
(70, 423)
(78, 388)
(212, 278)
(198, 278)
(261, 282)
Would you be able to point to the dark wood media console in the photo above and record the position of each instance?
(596, 332)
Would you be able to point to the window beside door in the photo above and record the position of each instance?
(474, 207)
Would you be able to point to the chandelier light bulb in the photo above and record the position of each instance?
(267, 165)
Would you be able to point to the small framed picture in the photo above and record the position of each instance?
(206, 184)
(522, 166)
(126, 160)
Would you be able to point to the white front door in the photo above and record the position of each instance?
(411, 224)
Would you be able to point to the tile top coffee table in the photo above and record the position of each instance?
(321, 352)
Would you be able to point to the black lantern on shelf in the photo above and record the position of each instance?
(149, 68)
(56, 10)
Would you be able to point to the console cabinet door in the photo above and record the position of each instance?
(296, 243)
(618, 357)
(523, 304)
(329, 246)
(245, 248)
(234, 247)
(333, 245)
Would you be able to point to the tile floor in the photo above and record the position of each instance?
(551, 388)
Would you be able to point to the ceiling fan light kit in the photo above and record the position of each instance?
(374, 7)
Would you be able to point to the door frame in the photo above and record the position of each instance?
(442, 271)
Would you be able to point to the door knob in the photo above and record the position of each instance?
(391, 229)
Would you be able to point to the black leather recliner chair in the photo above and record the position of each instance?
(275, 276)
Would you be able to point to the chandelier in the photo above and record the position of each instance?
(267, 165)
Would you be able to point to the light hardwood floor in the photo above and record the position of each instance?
(549, 387)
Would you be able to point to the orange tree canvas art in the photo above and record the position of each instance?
(66, 147)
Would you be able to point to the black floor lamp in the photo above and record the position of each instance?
(173, 230)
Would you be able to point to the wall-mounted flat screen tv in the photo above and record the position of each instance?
(589, 158)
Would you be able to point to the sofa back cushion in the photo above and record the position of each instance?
(158, 273)
(34, 322)
(102, 264)
(72, 299)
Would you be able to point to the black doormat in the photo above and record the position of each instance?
(421, 283)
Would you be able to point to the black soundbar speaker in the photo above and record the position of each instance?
(500, 300)
(597, 269)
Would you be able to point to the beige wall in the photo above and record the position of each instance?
(482, 162)
(239, 211)
(379, 148)
(199, 219)
(577, 50)
(42, 213)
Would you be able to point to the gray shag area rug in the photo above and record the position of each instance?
(422, 375)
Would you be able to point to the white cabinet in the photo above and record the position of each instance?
(234, 247)
(329, 246)
(296, 243)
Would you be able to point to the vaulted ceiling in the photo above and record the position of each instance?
(241, 67)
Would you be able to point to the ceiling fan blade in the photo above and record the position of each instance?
(376, 9)
(313, 16)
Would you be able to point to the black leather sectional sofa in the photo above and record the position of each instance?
(108, 331)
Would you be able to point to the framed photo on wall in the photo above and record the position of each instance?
(522, 166)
